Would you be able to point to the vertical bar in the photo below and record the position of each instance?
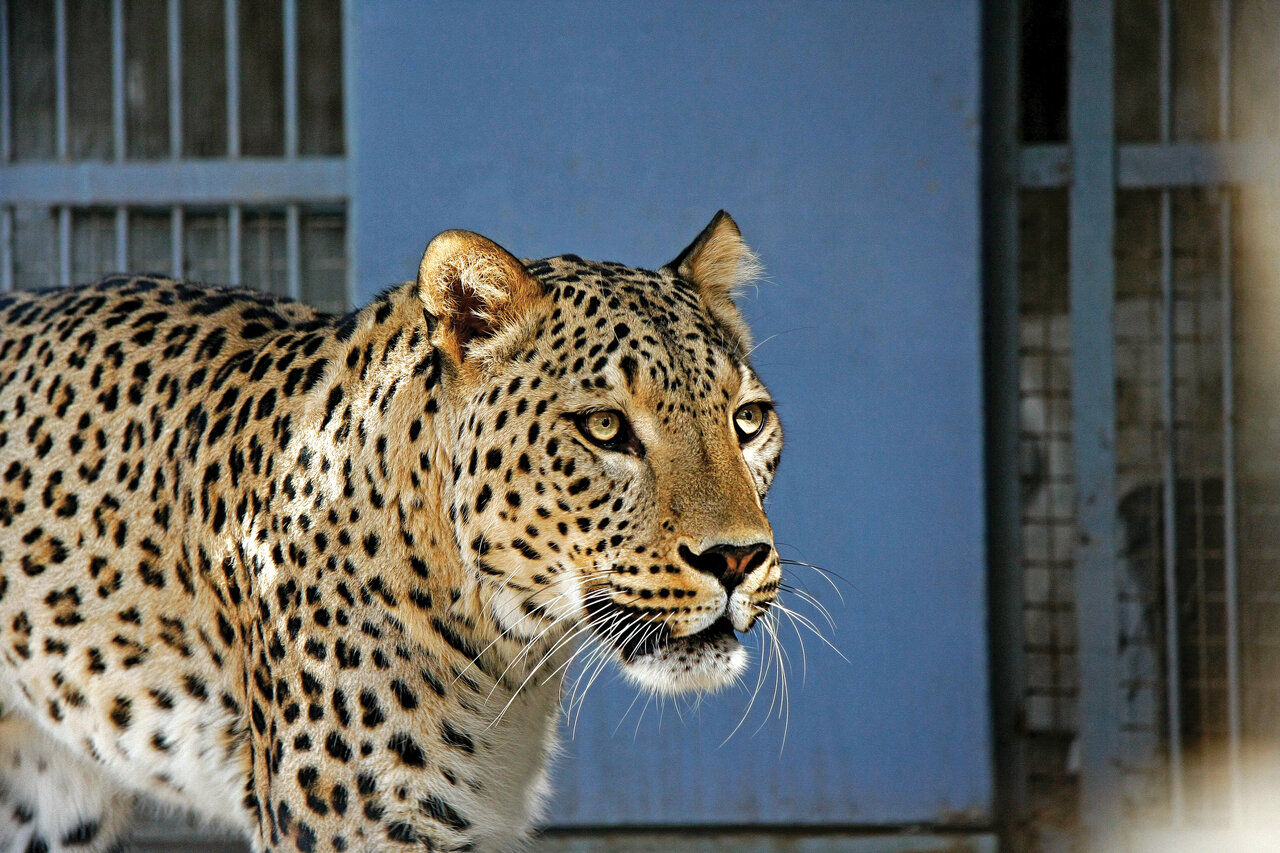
(291, 78)
(1003, 412)
(64, 246)
(350, 48)
(117, 80)
(293, 244)
(122, 238)
(175, 78)
(6, 245)
(1169, 545)
(6, 106)
(60, 75)
(1169, 495)
(1231, 583)
(232, 26)
(175, 242)
(234, 233)
(1091, 244)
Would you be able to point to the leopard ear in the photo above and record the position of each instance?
(474, 288)
(717, 262)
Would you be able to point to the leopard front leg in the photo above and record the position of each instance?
(53, 800)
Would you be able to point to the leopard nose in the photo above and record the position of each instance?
(729, 563)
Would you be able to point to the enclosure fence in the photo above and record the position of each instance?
(200, 139)
(1133, 368)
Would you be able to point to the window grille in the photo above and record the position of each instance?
(201, 139)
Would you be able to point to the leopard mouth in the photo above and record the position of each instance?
(718, 633)
(646, 640)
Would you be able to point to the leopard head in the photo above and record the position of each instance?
(611, 449)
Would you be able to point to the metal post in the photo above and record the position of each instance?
(1091, 225)
(293, 253)
(235, 226)
(350, 32)
(1231, 582)
(60, 76)
(1169, 508)
(64, 247)
(232, 26)
(175, 242)
(6, 101)
(117, 79)
(1169, 544)
(1004, 553)
(291, 78)
(175, 79)
(122, 238)
(6, 247)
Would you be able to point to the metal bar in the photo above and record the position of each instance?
(6, 246)
(235, 227)
(231, 21)
(1156, 166)
(350, 28)
(1165, 72)
(117, 80)
(293, 251)
(60, 76)
(291, 78)
(1169, 545)
(1005, 582)
(257, 181)
(64, 247)
(1169, 496)
(175, 79)
(1231, 583)
(1091, 243)
(175, 241)
(122, 238)
(6, 103)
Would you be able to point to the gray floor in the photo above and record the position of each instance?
(156, 837)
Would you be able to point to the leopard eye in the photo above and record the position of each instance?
(602, 427)
(749, 420)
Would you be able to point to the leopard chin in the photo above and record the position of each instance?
(703, 662)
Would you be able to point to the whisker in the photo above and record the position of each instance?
(826, 574)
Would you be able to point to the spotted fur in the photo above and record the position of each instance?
(318, 577)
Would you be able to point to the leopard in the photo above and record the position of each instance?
(317, 578)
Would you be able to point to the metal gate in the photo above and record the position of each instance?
(1133, 366)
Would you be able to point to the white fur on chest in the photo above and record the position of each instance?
(515, 768)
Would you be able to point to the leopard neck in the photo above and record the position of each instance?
(389, 420)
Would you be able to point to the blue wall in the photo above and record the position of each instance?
(844, 140)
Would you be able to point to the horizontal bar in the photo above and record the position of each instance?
(1152, 166)
(164, 183)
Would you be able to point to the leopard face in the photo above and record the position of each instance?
(611, 453)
